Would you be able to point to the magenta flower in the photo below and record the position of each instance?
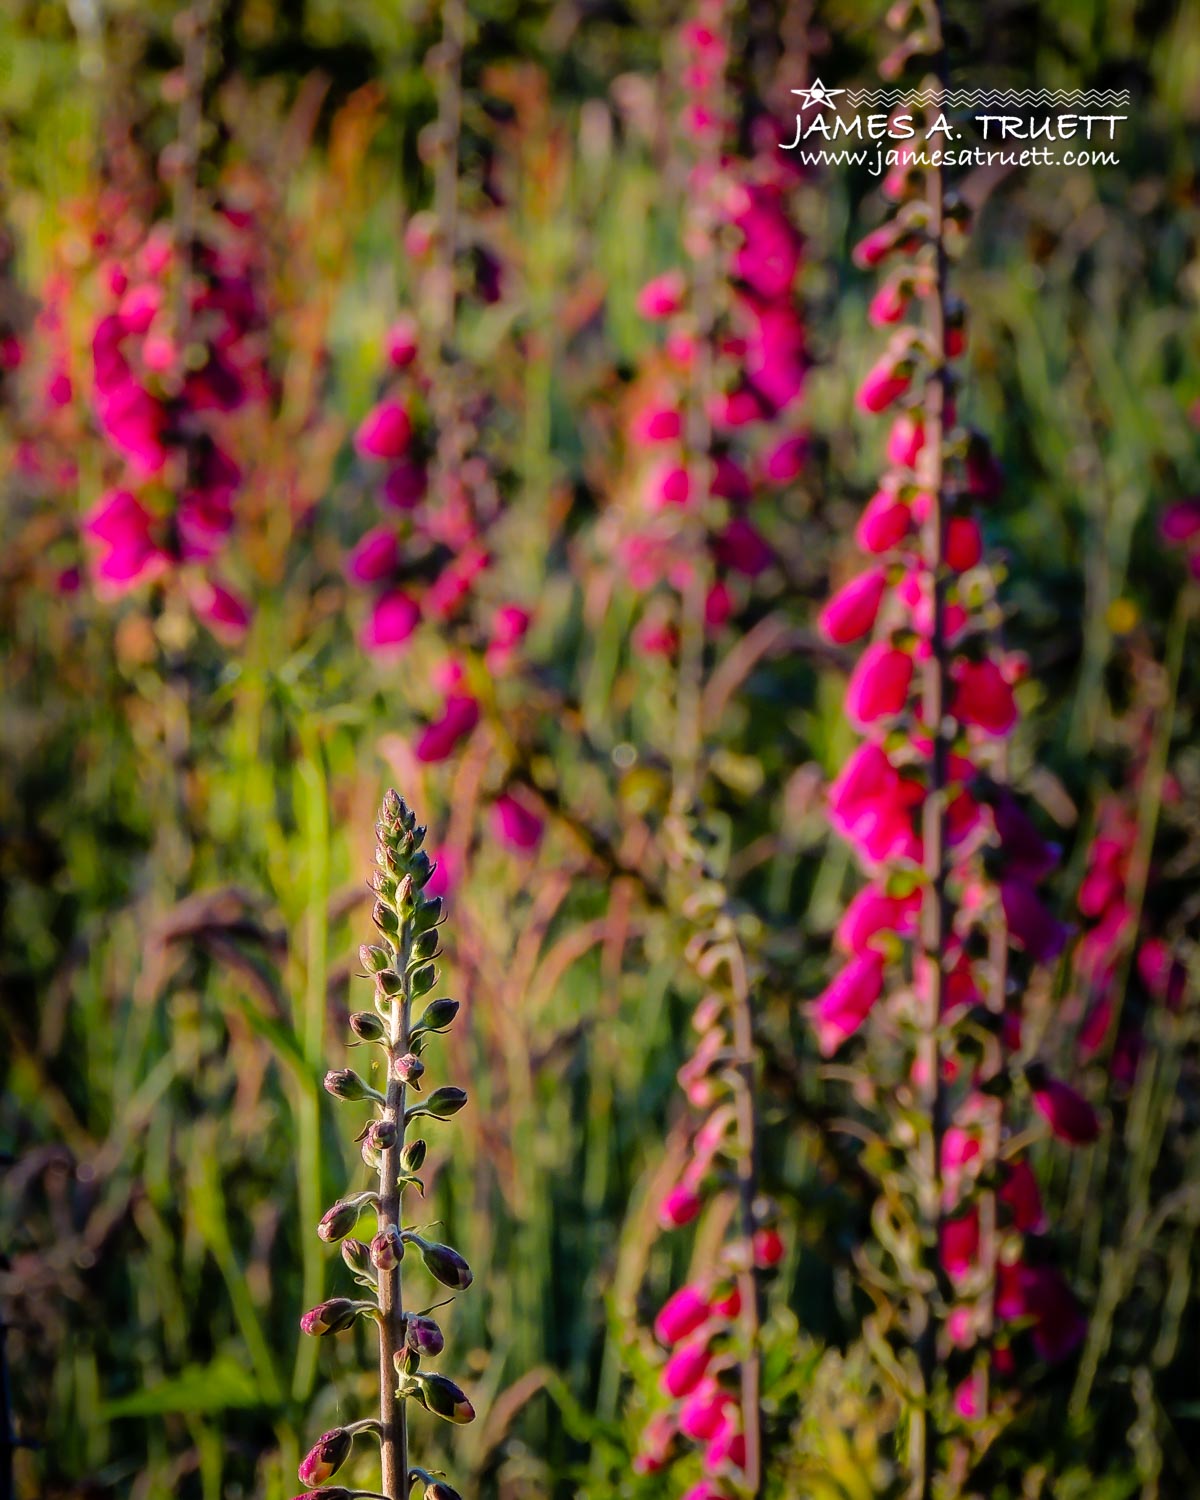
(662, 296)
(400, 343)
(1069, 1115)
(851, 612)
(685, 1369)
(393, 619)
(225, 614)
(374, 556)
(879, 685)
(679, 1207)
(404, 485)
(871, 914)
(128, 554)
(515, 824)
(884, 384)
(884, 523)
(743, 549)
(438, 741)
(983, 696)
(845, 1003)
(682, 1314)
(385, 432)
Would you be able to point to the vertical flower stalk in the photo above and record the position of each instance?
(402, 965)
(940, 945)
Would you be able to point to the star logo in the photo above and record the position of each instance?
(818, 95)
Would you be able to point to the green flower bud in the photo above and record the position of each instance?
(444, 1398)
(423, 980)
(421, 868)
(443, 1262)
(382, 1135)
(357, 1256)
(428, 913)
(374, 959)
(437, 1016)
(425, 944)
(385, 918)
(344, 1083)
(366, 1026)
(388, 983)
(441, 1104)
(413, 1155)
(439, 1491)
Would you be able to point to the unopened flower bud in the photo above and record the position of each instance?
(424, 1335)
(437, 1015)
(441, 1396)
(338, 1221)
(366, 1026)
(413, 1155)
(326, 1457)
(444, 1263)
(422, 869)
(439, 1491)
(404, 893)
(423, 980)
(409, 1069)
(374, 960)
(441, 1104)
(382, 1135)
(327, 1492)
(384, 917)
(425, 944)
(344, 1083)
(428, 914)
(334, 1316)
(388, 983)
(356, 1255)
(387, 1248)
(393, 805)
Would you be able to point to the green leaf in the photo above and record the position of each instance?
(223, 1384)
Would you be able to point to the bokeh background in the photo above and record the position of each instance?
(186, 816)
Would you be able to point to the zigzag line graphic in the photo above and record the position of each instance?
(961, 98)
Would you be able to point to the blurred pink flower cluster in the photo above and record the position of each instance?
(923, 607)
(755, 363)
(179, 345)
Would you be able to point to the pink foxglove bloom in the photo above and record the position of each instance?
(515, 824)
(1069, 1115)
(662, 296)
(679, 1207)
(846, 1002)
(851, 613)
(385, 432)
(883, 385)
(879, 685)
(983, 696)
(682, 1314)
(439, 740)
(872, 915)
(394, 618)
(374, 556)
(685, 1369)
(884, 523)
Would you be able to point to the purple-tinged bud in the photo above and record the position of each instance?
(423, 1335)
(441, 1396)
(387, 1248)
(439, 1491)
(334, 1316)
(328, 1492)
(326, 1457)
(423, 980)
(393, 807)
(428, 914)
(441, 1104)
(409, 1069)
(444, 1263)
(404, 893)
(357, 1256)
(384, 917)
(374, 960)
(366, 1026)
(344, 1083)
(413, 1155)
(382, 1135)
(388, 983)
(338, 1221)
(437, 1016)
